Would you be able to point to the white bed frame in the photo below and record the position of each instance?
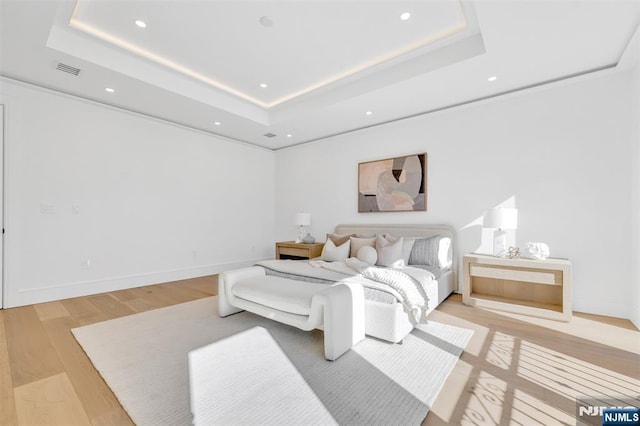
(389, 321)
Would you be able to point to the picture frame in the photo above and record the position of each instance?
(397, 184)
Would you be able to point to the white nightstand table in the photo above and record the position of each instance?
(540, 288)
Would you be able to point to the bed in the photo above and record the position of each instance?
(430, 248)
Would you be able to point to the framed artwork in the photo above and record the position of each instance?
(393, 185)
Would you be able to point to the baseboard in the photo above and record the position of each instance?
(606, 306)
(636, 321)
(30, 296)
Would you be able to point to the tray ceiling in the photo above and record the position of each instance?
(304, 71)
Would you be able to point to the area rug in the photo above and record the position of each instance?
(143, 359)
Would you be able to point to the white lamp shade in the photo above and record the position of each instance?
(501, 218)
(302, 219)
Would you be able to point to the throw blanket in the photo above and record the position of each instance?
(407, 285)
(407, 282)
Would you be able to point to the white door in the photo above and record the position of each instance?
(2, 206)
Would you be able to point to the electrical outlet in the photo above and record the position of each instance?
(85, 264)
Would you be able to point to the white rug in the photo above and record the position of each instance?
(143, 359)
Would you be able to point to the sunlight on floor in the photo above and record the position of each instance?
(529, 410)
(488, 405)
(480, 332)
(501, 350)
(623, 337)
(572, 377)
(543, 368)
(514, 377)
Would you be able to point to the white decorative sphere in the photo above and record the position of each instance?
(367, 254)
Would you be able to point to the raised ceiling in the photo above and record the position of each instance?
(305, 70)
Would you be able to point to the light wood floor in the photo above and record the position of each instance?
(515, 370)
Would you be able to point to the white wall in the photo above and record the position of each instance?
(560, 154)
(157, 202)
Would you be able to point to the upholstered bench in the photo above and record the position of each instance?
(338, 309)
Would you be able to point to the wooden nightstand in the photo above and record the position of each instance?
(540, 288)
(293, 250)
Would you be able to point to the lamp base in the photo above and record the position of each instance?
(500, 248)
(301, 234)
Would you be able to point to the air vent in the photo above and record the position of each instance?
(270, 135)
(67, 68)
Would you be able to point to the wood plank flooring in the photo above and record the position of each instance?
(45, 376)
(515, 370)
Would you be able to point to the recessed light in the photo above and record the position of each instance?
(141, 24)
(109, 89)
(368, 113)
(263, 85)
(492, 78)
(216, 123)
(289, 135)
(405, 16)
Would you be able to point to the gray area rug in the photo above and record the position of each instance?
(143, 359)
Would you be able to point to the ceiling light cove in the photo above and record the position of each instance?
(399, 50)
(161, 60)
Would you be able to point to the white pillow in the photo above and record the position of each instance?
(389, 253)
(358, 242)
(444, 253)
(407, 246)
(368, 254)
(331, 253)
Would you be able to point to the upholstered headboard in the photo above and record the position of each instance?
(415, 230)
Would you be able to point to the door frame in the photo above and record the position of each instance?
(2, 248)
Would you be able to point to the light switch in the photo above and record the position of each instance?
(75, 209)
(47, 208)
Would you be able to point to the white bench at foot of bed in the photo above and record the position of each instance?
(337, 309)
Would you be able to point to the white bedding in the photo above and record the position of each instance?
(409, 286)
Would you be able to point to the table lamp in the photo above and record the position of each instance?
(500, 219)
(301, 220)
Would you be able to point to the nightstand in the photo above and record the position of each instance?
(540, 288)
(293, 250)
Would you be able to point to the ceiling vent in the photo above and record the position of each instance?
(270, 135)
(67, 68)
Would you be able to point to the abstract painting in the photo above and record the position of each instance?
(393, 185)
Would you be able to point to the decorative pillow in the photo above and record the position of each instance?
(331, 253)
(407, 246)
(368, 254)
(444, 253)
(358, 242)
(432, 251)
(389, 253)
(338, 240)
